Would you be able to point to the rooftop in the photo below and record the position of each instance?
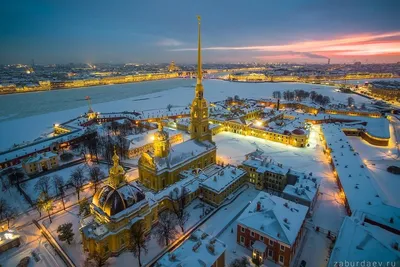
(223, 178)
(277, 218)
(358, 241)
(200, 250)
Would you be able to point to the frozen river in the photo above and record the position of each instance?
(23, 117)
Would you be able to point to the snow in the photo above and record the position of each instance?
(32, 242)
(194, 252)
(29, 186)
(180, 96)
(369, 243)
(223, 179)
(277, 218)
(75, 250)
(354, 177)
(183, 152)
(378, 159)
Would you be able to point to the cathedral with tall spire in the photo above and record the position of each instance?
(119, 206)
(161, 167)
(199, 126)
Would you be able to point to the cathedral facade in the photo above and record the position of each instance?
(161, 168)
(119, 206)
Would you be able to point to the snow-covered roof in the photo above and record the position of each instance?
(263, 165)
(354, 177)
(39, 157)
(277, 218)
(223, 178)
(183, 152)
(191, 180)
(358, 242)
(139, 140)
(199, 250)
(305, 188)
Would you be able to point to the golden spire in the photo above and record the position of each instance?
(199, 71)
(199, 85)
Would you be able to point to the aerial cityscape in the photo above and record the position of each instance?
(164, 133)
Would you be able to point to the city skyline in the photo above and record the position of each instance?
(312, 32)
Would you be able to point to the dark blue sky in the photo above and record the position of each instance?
(57, 31)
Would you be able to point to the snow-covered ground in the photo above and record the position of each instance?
(29, 186)
(378, 159)
(29, 128)
(32, 241)
(328, 213)
(75, 250)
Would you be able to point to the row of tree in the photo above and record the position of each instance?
(77, 180)
(300, 95)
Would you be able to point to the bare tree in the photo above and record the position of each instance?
(84, 207)
(350, 101)
(276, 94)
(42, 185)
(95, 259)
(313, 94)
(45, 203)
(96, 174)
(166, 231)
(77, 179)
(6, 212)
(15, 176)
(242, 262)
(178, 198)
(363, 107)
(169, 107)
(138, 241)
(58, 184)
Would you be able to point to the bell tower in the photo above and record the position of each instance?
(199, 128)
(161, 142)
(117, 176)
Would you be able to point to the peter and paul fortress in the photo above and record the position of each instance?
(119, 205)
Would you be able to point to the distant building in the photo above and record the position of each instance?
(172, 67)
(40, 162)
(200, 249)
(272, 228)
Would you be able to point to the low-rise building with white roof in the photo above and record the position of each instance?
(222, 182)
(361, 242)
(272, 227)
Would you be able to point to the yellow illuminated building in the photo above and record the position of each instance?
(161, 168)
(115, 209)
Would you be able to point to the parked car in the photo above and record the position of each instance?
(303, 263)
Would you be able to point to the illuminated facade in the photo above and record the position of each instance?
(115, 209)
(40, 162)
(161, 168)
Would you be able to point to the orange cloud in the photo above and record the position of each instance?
(359, 45)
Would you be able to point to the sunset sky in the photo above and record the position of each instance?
(160, 31)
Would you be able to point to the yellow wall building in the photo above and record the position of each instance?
(115, 209)
(40, 162)
(161, 168)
